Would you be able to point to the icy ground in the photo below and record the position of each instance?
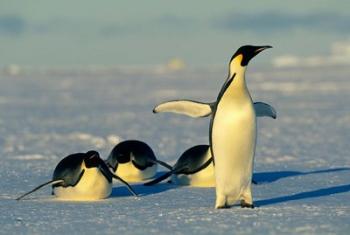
(302, 158)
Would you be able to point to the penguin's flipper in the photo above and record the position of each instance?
(159, 179)
(110, 166)
(201, 167)
(126, 184)
(186, 107)
(39, 187)
(111, 162)
(264, 110)
(166, 165)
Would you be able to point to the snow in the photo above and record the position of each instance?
(302, 161)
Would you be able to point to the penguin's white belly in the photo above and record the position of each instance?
(233, 143)
(203, 178)
(130, 173)
(93, 185)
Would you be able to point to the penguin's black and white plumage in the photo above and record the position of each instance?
(83, 177)
(134, 161)
(233, 133)
(194, 168)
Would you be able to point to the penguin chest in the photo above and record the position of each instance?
(233, 142)
(203, 178)
(130, 173)
(93, 185)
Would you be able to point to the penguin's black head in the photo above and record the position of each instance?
(248, 52)
(92, 159)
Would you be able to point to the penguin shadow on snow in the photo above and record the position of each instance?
(141, 190)
(274, 176)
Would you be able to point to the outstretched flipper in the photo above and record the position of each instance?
(51, 182)
(197, 109)
(264, 110)
(187, 107)
(166, 165)
(126, 184)
(159, 179)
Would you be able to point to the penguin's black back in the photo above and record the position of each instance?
(192, 160)
(142, 153)
(69, 170)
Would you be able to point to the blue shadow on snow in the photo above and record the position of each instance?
(269, 177)
(309, 194)
(141, 190)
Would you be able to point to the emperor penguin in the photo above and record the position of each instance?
(194, 168)
(134, 161)
(232, 133)
(81, 177)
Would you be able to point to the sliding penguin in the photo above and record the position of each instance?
(233, 134)
(81, 176)
(134, 161)
(194, 167)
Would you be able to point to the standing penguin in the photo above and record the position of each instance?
(194, 167)
(233, 133)
(134, 161)
(81, 176)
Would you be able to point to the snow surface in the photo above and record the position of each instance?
(302, 158)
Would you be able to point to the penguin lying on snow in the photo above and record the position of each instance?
(81, 176)
(134, 161)
(194, 167)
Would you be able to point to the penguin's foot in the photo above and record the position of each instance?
(246, 205)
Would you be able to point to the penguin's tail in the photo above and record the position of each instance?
(51, 182)
(159, 179)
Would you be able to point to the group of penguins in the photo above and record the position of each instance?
(86, 176)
